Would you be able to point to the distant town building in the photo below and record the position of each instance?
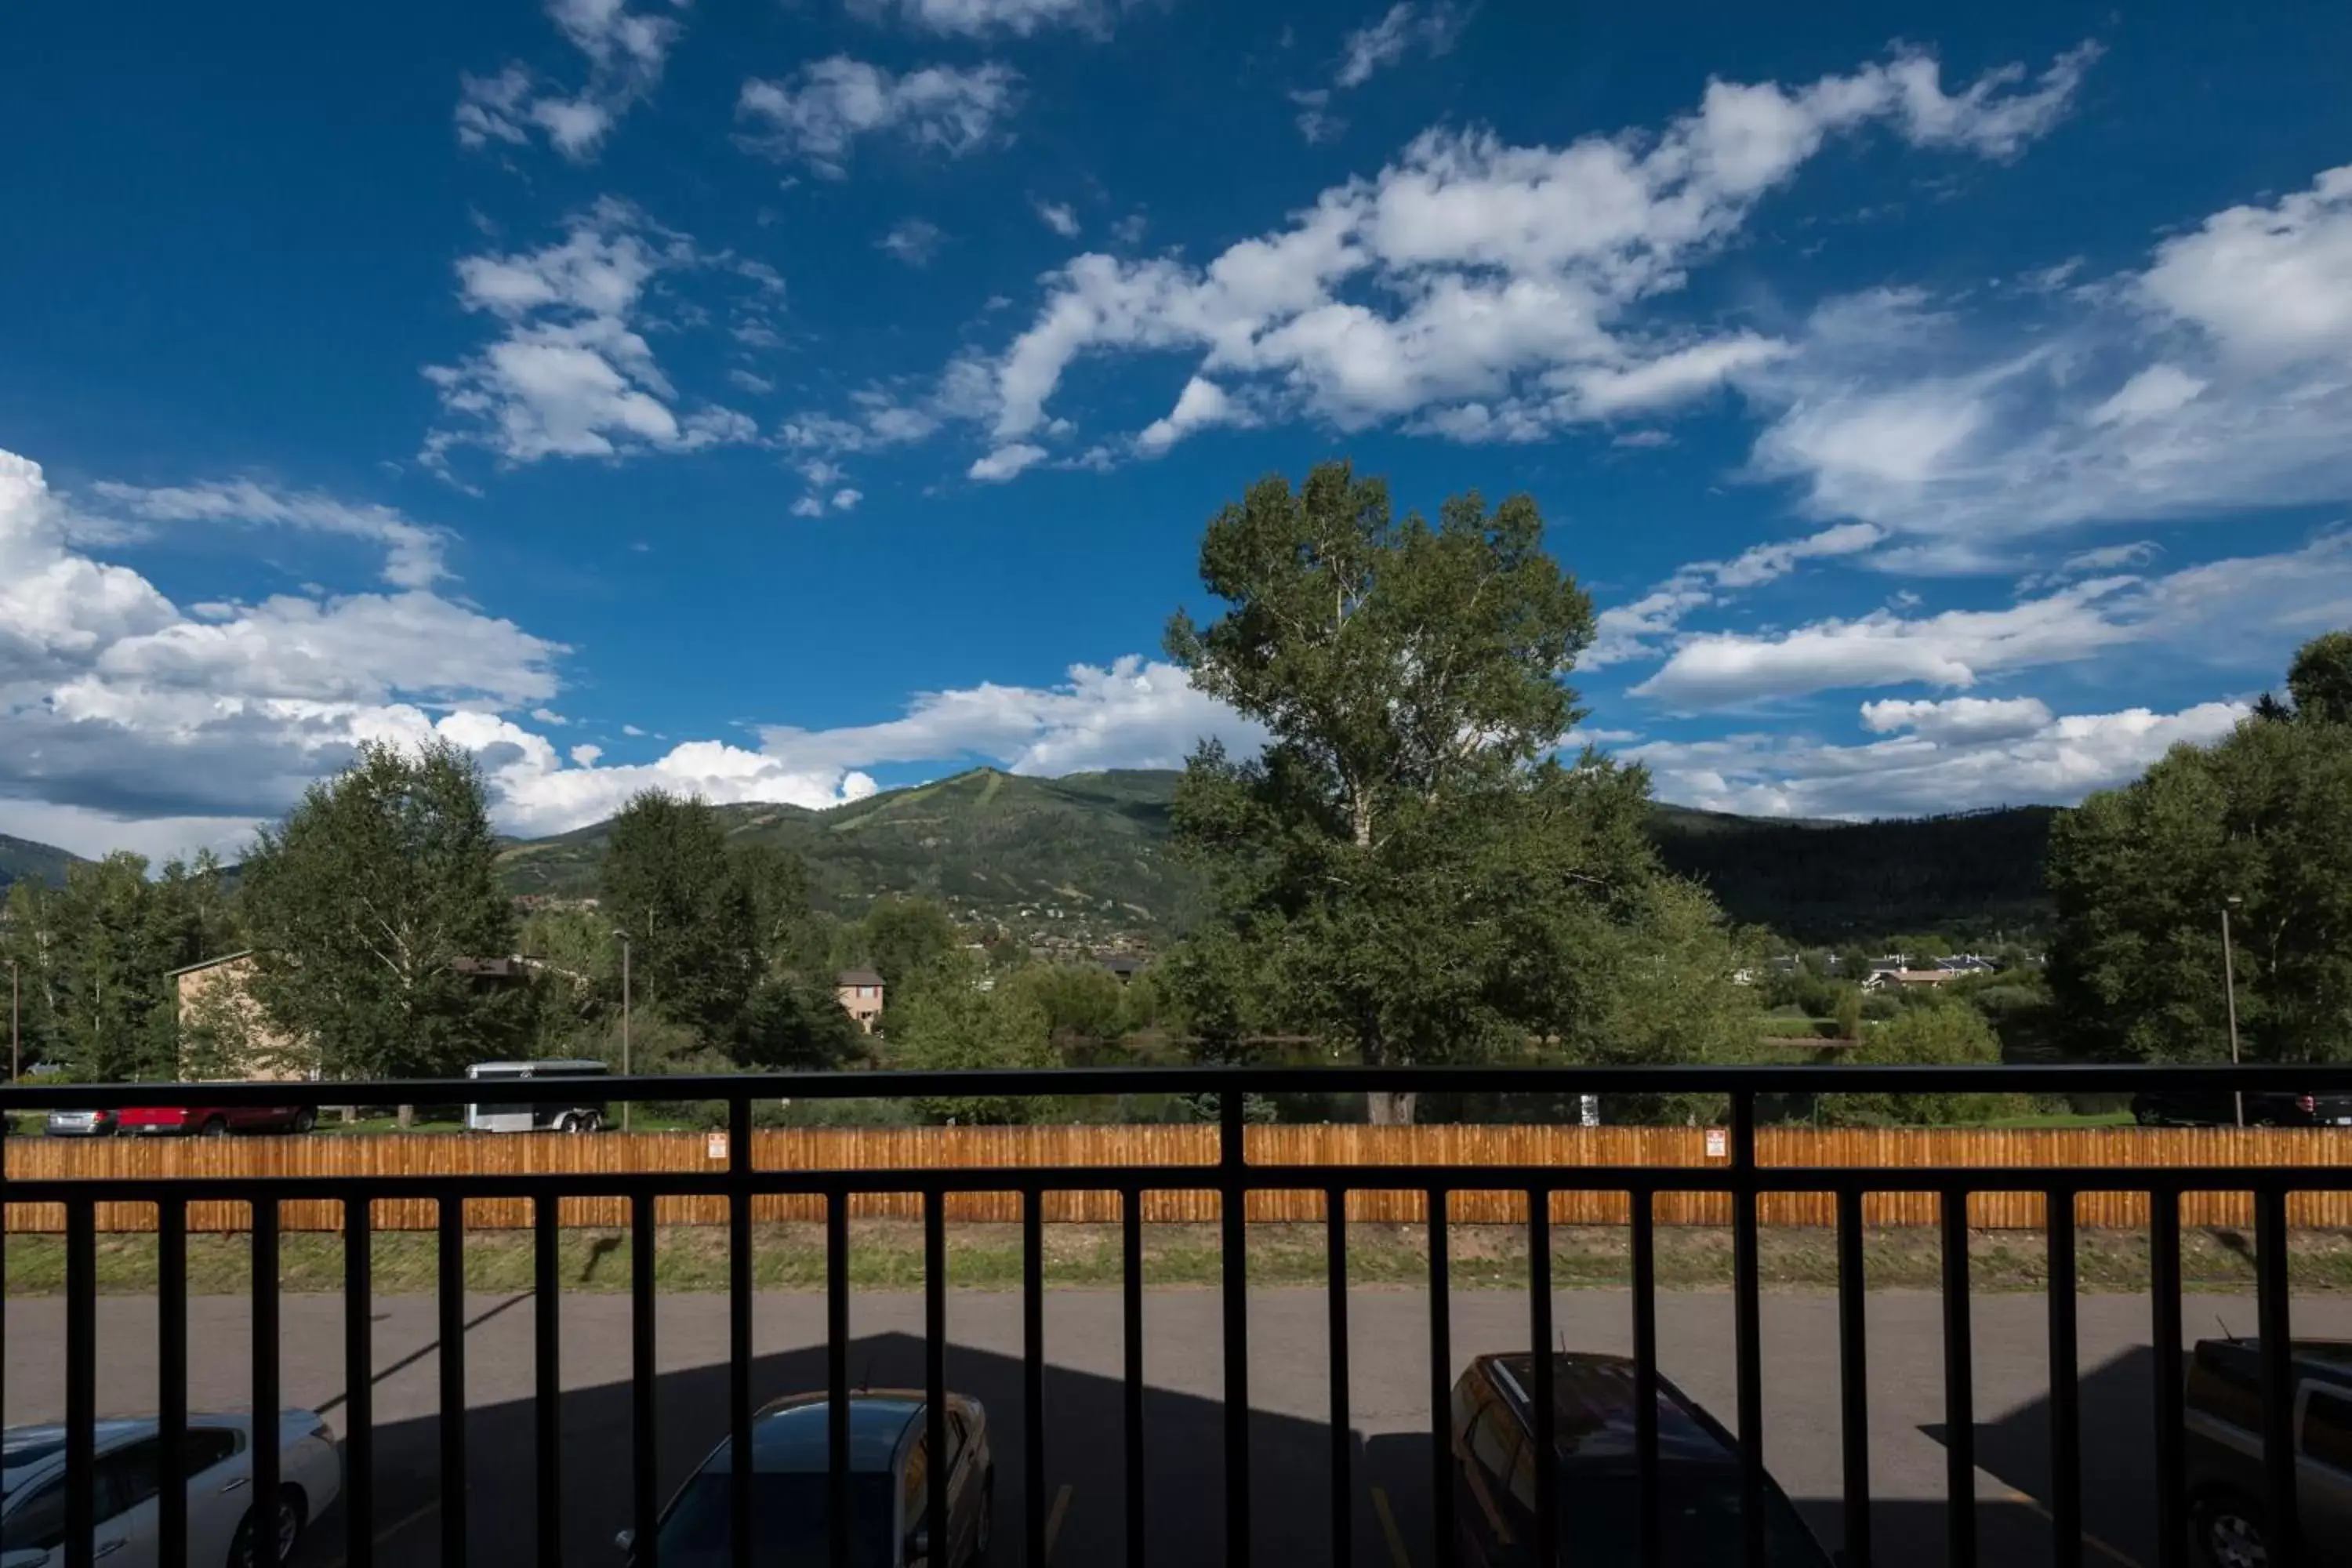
(1880, 979)
(1123, 967)
(859, 991)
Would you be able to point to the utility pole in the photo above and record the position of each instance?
(2230, 985)
(622, 938)
(16, 1039)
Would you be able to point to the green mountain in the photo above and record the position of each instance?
(40, 862)
(1084, 860)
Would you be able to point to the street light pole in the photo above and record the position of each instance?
(622, 938)
(2230, 987)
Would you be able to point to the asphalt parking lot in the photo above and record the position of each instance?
(1183, 1366)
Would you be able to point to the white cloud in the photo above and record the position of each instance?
(1483, 291)
(2248, 610)
(1201, 403)
(549, 716)
(2218, 379)
(2267, 284)
(122, 708)
(846, 500)
(1058, 216)
(749, 382)
(625, 51)
(1004, 463)
(1315, 120)
(413, 550)
(1958, 718)
(808, 506)
(1635, 630)
(571, 373)
(1405, 26)
(912, 240)
(977, 18)
(630, 731)
(587, 756)
(1132, 714)
(816, 115)
(1932, 766)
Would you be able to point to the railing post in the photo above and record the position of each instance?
(1748, 1327)
(1232, 1164)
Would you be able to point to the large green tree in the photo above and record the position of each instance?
(358, 905)
(693, 922)
(2142, 875)
(1409, 871)
(93, 959)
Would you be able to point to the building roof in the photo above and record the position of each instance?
(208, 963)
(1123, 964)
(858, 977)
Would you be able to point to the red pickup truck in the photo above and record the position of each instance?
(215, 1120)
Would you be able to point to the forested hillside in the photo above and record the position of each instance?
(1094, 847)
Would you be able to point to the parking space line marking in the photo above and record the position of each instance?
(1403, 1558)
(1053, 1519)
(2012, 1494)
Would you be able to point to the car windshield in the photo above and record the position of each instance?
(788, 1522)
(1701, 1518)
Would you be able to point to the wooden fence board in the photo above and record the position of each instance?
(1986, 1149)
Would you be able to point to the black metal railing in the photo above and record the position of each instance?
(1230, 1178)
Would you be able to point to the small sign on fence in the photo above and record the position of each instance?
(1718, 1145)
(715, 1146)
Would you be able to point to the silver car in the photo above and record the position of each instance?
(81, 1123)
(225, 1530)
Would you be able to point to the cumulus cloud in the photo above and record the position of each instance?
(625, 51)
(1483, 291)
(121, 705)
(1004, 463)
(1131, 713)
(816, 115)
(2246, 609)
(2216, 379)
(1058, 216)
(1201, 404)
(1935, 761)
(979, 18)
(571, 373)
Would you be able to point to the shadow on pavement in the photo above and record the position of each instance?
(1084, 1417)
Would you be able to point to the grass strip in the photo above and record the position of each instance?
(888, 1255)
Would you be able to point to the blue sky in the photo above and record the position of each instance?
(1946, 407)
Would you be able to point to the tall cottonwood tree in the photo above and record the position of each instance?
(1408, 871)
(359, 904)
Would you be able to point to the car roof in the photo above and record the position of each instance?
(793, 1436)
(1594, 1408)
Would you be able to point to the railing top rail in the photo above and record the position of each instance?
(2122, 1078)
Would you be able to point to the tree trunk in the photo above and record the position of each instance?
(1388, 1109)
(407, 1117)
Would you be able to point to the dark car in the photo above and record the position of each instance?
(80, 1123)
(889, 1489)
(2223, 1450)
(2267, 1108)
(1592, 1424)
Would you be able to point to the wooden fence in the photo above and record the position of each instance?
(875, 1148)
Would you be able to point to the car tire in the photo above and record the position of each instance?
(305, 1119)
(571, 1122)
(2228, 1531)
(293, 1518)
(214, 1126)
